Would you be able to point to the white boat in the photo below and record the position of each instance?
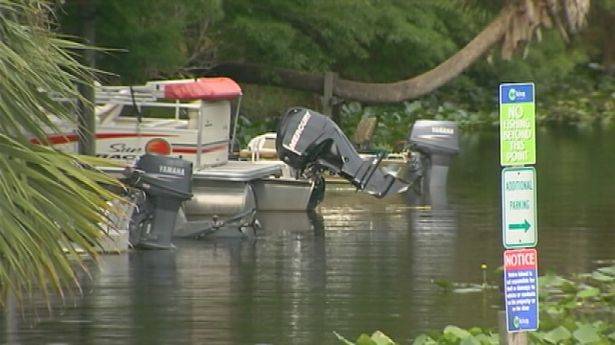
(196, 120)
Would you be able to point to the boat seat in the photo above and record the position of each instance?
(240, 171)
(263, 154)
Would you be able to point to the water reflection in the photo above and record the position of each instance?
(357, 265)
(280, 289)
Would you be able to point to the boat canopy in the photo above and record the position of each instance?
(211, 89)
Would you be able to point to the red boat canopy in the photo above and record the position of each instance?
(211, 89)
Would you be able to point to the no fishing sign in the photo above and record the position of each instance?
(517, 124)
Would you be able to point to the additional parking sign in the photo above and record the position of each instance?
(521, 284)
(517, 124)
(519, 221)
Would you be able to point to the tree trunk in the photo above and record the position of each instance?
(433, 79)
(260, 74)
(375, 92)
(87, 117)
(608, 57)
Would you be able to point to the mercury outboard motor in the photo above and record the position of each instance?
(167, 182)
(311, 142)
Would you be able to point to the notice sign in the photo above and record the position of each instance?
(519, 219)
(521, 284)
(517, 124)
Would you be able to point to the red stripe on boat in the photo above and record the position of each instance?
(192, 150)
(55, 139)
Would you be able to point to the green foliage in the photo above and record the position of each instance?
(579, 310)
(546, 62)
(394, 121)
(248, 129)
(49, 201)
(583, 99)
(373, 40)
(147, 38)
(369, 40)
(377, 338)
(269, 101)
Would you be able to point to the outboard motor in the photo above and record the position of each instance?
(311, 142)
(433, 145)
(167, 182)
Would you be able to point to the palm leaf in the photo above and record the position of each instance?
(50, 202)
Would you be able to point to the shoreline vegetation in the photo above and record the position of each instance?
(454, 52)
(579, 309)
(584, 101)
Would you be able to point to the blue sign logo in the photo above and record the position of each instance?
(517, 93)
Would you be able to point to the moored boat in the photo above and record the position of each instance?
(196, 120)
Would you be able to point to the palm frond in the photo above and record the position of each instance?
(50, 202)
(568, 16)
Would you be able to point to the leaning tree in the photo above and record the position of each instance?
(518, 23)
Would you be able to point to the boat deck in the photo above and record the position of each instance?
(235, 171)
(239, 171)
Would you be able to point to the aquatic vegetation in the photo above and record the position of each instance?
(575, 310)
(377, 338)
(579, 102)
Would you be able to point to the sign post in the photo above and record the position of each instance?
(519, 219)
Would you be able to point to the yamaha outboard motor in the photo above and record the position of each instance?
(167, 182)
(433, 145)
(311, 142)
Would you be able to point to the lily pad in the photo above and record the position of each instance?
(365, 339)
(381, 339)
(469, 341)
(586, 334)
(457, 332)
(424, 340)
(604, 278)
(551, 280)
(608, 270)
(492, 339)
(588, 292)
(444, 284)
(555, 336)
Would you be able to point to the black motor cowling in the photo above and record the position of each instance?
(311, 142)
(167, 182)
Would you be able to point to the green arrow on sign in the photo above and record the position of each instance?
(525, 226)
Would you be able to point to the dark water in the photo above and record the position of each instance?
(358, 265)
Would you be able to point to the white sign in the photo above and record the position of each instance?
(519, 223)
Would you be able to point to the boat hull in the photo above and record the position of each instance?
(283, 194)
